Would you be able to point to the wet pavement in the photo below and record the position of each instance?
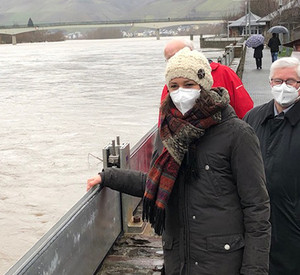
(256, 81)
(139, 254)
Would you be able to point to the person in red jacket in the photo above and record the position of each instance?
(223, 76)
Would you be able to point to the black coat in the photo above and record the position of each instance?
(280, 145)
(217, 217)
(258, 51)
(274, 44)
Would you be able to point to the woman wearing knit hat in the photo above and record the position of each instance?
(205, 193)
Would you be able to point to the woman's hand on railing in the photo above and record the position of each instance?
(93, 181)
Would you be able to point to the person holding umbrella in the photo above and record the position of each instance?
(256, 42)
(274, 44)
(258, 55)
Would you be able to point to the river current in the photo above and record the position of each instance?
(61, 103)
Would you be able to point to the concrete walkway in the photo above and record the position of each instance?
(256, 81)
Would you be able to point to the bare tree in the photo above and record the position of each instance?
(263, 7)
(290, 17)
(230, 15)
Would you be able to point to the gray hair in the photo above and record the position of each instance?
(285, 62)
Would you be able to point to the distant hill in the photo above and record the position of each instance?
(55, 11)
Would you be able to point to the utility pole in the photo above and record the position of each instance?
(280, 5)
(246, 18)
(280, 34)
(249, 17)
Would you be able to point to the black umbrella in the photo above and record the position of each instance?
(278, 29)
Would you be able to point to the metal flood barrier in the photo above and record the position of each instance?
(80, 241)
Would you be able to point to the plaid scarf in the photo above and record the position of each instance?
(177, 132)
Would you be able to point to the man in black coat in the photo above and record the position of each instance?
(274, 44)
(277, 125)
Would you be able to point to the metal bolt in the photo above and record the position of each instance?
(136, 219)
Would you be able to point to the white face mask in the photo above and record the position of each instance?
(184, 99)
(296, 55)
(285, 95)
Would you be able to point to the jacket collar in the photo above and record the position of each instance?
(268, 112)
(293, 115)
(228, 113)
(214, 65)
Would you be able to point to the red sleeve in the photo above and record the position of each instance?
(225, 77)
(163, 96)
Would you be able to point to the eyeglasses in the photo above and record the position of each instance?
(278, 81)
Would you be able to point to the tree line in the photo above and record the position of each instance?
(261, 8)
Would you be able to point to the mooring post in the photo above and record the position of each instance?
(157, 34)
(14, 39)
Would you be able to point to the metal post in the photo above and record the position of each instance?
(288, 39)
(157, 34)
(246, 18)
(228, 32)
(117, 155)
(231, 54)
(249, 17)
(201, 39)
(13, 39)
(280, 34)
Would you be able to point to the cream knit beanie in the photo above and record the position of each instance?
(189, 64)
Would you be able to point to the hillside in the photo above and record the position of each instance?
(53, 11)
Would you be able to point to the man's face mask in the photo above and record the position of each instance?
(284, 94)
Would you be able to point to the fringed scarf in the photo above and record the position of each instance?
(177, 132)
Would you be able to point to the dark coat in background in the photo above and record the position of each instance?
(217, 217)
(280, 145)
(274, 44)
(258, 51)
